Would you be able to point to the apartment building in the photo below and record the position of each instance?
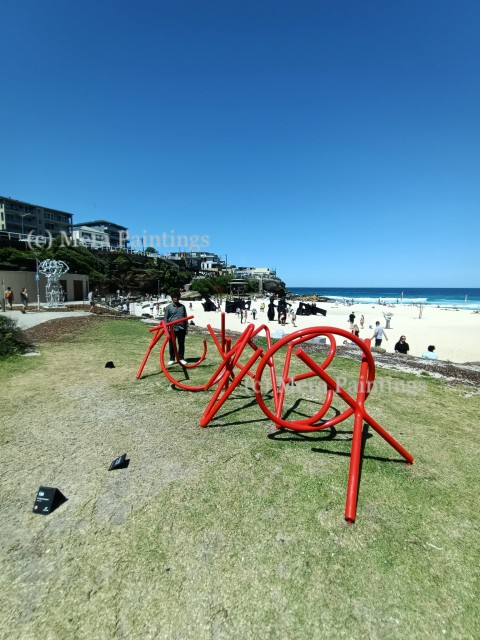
(19, 217)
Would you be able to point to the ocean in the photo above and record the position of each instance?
(460, 298)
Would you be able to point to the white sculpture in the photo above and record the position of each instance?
(53, 270)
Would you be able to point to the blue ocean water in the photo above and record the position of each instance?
(460, 298)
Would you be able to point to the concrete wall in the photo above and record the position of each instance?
(75, 285)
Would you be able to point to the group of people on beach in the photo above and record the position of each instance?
(379, 334)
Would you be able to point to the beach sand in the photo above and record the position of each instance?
(455, 333)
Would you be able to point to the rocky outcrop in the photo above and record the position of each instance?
(274, 285)
(191, 295)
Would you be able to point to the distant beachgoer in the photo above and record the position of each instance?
(362, 322)
(237, 312)
(190, 306)
(402, 346)
(378, 334)
(9, 297)
(254, 313)
(245, 315)
(24, 299)
(430, 353)
(293, 317)
(356, 330)
(271, 311)
(351, 319)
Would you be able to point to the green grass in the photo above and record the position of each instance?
(225, 532)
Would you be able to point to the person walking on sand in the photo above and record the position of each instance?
(9, 297)
(378, 334)
(351, 319)
(362, 322)
(176, 311)
(24, 299)
(293, 317)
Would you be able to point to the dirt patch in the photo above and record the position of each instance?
(61, 329)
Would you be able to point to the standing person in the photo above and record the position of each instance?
(356, 330)
(293, 317)
(9, 297)
(351, 319)
(402, 346)
(176, 311)
(24, 299)
(362, 321)
(378, 334)
(254, 313)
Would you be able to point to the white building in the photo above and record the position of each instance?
(90, 237)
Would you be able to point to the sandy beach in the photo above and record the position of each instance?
(454, 332)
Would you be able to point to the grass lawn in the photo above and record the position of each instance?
(228, 532)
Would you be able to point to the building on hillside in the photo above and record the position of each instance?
(204, 261)
(90, 237)
(117, 235)
(254, 272)
(23, 218)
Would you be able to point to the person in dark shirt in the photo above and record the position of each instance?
(176, 311)
(402, 346)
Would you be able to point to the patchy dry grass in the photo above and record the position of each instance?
(226, 532)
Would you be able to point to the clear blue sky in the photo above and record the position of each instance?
(338, 141)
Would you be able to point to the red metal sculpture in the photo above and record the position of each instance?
(230, 373)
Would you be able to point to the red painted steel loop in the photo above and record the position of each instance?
(292, 342)
(231, 372)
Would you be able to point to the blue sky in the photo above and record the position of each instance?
(338, 142)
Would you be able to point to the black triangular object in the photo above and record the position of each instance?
(119, 463)
(47, 500)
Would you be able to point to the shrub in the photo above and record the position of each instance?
(12, 340)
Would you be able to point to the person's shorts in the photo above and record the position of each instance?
(378, 343)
